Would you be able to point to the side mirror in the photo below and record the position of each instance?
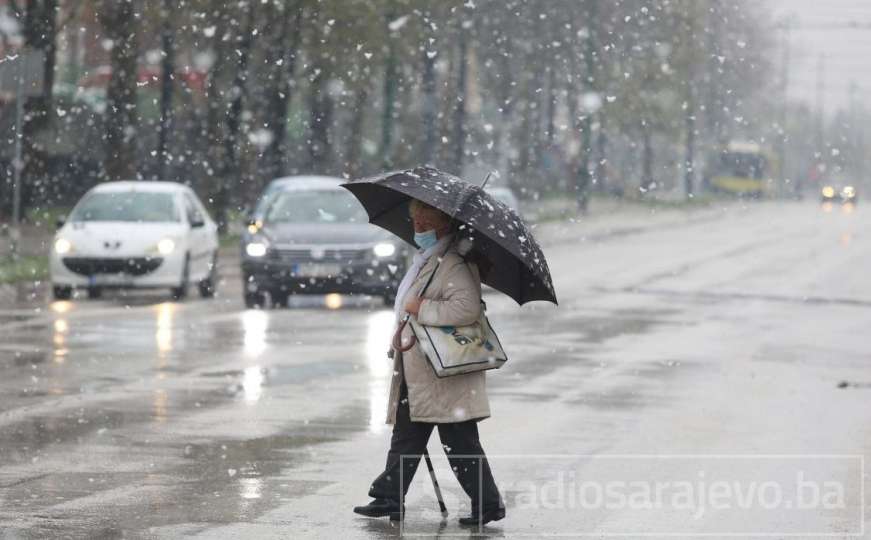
(196, 224)
(61, 221)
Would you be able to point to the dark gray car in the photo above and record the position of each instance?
(313, 237)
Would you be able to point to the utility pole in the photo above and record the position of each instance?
(389, 90)
(690, 125)
(459, 142)
(587, 123)
(24, 76)
(430, 106)
(860, 154)
(168, 67)
(822, 159)
(821, 71)
(18, 161)
(690, 112)
(784, 95)
(857, 142)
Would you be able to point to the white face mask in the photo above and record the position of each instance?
(426, 239)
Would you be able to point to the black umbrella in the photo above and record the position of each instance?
(507, 255)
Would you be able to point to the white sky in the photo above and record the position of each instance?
(847, 50)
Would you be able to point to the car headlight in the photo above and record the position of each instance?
(255, 249)
(848, 192)
(828, 191)
(255, 226)
(62, 246)
(166, 246)
(384, 249)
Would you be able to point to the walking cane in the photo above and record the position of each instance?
(435, 483)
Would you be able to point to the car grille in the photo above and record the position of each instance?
(88, 266)
(343, 256)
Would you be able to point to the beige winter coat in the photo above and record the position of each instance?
(453, 298)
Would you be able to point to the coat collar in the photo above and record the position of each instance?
(430, 265)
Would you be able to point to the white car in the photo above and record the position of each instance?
(135, 235)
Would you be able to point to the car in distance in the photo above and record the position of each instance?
(312, 236)
(846, 194)
(849, 195)
(828, 194)
(277, 185)
(135, 234)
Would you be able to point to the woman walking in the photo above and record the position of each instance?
(419, 401)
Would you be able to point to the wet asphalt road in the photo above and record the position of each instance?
(721, 331)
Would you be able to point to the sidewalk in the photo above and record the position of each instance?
(558, 221)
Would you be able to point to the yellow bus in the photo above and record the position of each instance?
(743, 168)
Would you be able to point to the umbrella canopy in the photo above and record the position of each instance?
(508, 257)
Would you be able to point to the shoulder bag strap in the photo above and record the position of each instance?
(397, 336)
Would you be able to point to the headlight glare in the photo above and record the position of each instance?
(255, 226)
(62, 246)
(384, 249)
(166, 246)
(255, 249)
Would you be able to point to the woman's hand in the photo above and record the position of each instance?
(412, 307)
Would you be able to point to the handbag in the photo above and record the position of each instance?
(456, 350)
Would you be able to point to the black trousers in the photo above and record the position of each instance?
(409, 439)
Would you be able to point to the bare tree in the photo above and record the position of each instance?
(118, 18)
(231, 49)
(39, 25)
(281, 53)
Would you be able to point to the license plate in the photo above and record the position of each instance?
(110, 279)
(316, 270)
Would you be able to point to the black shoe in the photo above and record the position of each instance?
(475, 518)
(380, 508)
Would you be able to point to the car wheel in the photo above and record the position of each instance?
(178, 293)
(255, 300)
(207, 286)
(62, 293)
(94, 292)
(389, 299)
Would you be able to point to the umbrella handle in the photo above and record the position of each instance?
(397, 338)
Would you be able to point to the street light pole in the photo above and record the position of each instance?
(17, 162)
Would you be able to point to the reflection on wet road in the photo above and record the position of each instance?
(136, 417)
(127, 405)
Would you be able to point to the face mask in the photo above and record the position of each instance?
(426, 240)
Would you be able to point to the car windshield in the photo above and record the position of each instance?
(319, 206)
(137, 206)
